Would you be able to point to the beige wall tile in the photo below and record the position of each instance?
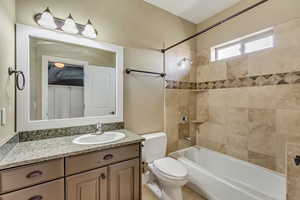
(262, 160)
(262, 97)
(202, 113)
(262, 120)
(275, 97)
(239, 153)
(276, 60)
(212, 72)
(237, 121)
(215, 146)
(237, 141)
(203, 99)
(262, 143)
(218, 97)
(288, 121)
(217, 114)
(236, 116)
(217, 133)
(237, 97)
(287, 96)
(287, 34)
(203, 73)
(237, 67)
(262, 126)
(217, 71)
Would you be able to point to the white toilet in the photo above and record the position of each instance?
(167, 175)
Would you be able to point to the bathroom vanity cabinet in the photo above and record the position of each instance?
(111, 174)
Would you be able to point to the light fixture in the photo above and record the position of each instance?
(59, 65)
(46, 19)
(89, 31)
(70, 25)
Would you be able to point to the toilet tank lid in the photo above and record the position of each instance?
(153, 135)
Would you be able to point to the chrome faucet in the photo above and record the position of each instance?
(99, 129)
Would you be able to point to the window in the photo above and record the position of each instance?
(248, 44)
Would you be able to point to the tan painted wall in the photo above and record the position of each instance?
(7, 19)
(133, 24)
(144, 95)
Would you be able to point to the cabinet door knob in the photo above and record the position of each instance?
(34, 174)
(37, 197)
(108, 157)
(103, 176)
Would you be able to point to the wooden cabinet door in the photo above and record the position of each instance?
(124, 180)
(91, 185)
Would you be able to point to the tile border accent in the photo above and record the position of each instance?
(170, 84)
(69, 131)
(250, 81)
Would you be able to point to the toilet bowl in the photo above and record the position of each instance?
(168, 175)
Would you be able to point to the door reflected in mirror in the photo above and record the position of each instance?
(70, 81)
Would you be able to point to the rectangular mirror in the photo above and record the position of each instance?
(69, 79)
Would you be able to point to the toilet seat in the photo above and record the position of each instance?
(171, 168)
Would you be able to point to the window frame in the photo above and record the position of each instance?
(242, 41)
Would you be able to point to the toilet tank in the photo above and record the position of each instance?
(155, 147)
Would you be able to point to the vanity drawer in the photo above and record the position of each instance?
(94, 160)
(20, 177)
(48, 191)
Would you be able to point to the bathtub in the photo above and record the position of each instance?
(217, 176)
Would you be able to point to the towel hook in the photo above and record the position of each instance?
(18, 74)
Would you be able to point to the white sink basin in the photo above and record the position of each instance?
(107, 137)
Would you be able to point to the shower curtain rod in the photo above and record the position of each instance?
(215, 25)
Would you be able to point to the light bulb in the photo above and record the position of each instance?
(70, 26)
(59, 65)
(89, 31)
(47, 20)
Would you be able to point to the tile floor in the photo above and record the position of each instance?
(188, 194)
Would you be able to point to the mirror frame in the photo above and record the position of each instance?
(23, 122)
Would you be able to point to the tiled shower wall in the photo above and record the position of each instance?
(180, 103)
(253, 123)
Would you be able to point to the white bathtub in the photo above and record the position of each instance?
(217, 176)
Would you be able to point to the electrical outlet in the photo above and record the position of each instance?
(3, 116)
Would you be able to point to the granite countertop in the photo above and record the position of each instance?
(42, 150)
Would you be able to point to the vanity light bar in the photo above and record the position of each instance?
(59, 23)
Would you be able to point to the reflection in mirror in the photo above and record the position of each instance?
(70, 81)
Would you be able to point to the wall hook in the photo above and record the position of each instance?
(18, 75)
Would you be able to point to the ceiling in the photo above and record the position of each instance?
(194, 11)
